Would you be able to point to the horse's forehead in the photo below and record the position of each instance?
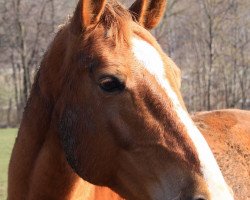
(149, 57)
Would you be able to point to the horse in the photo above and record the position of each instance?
(105, 118)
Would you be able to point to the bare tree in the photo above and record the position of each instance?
(208, 39)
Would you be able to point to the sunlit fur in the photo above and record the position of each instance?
(134, 144)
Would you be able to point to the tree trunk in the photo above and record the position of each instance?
(9, 113)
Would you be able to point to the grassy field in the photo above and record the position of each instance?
(7, 138)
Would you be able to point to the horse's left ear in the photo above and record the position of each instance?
(148, 12)
(88, 12)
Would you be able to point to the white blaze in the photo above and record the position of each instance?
(150, 58)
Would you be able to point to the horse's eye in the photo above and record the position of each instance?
(111, 84)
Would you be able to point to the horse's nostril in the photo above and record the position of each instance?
(199, 198)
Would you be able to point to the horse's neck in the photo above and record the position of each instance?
(37, 159)
(36, 117)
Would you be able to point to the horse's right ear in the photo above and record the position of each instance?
(88, 12)
(148, 12)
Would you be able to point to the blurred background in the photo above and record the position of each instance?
(208, 39)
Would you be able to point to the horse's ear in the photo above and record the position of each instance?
(88, 12)
(148, 12)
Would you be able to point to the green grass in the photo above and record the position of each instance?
(7, 139)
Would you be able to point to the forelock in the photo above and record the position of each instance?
(116, 21)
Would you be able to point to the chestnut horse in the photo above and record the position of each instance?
(106, 120)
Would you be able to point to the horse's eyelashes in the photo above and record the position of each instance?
(111, 84)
